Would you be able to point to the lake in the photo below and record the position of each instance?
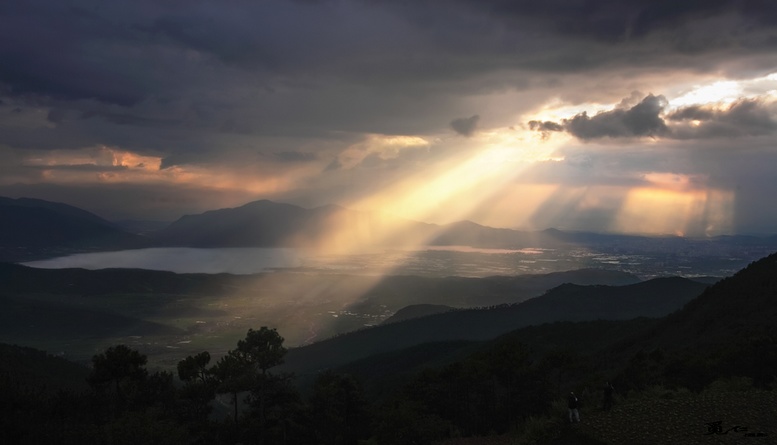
(182, 260)
(452, 260)
(436, 261)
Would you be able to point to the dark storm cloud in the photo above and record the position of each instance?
(268, 67)
(56, 115)
(51, 49)
(750, 117)
(274, 82)
(616, 20)
(128, 119)
(691, 113)
(747, 117)
(545, 127)
(188, 81)
(641, 120)
(465, 126)
(105, 51)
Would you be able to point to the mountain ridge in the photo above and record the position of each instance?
(743, 303)
(32, 228)
(652, 298)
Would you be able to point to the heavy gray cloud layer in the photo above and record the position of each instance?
(243, 66)
(276, 85)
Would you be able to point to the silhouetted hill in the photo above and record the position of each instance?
(392, 292)
(382, 374)
(33, 228)
(259, 223)
(654, 298)
(416, 311)
(26, 318)
(270, 224)
(32, 368)
(463, 292)
(734, 307)
(18, 279)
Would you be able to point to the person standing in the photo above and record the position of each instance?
(608, 390)
(572, 404)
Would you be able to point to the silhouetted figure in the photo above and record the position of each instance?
(608, 390)
(572, 403)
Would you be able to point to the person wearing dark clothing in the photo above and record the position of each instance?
(572, 403)
(608, 390)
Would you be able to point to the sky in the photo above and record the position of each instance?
(629, 116)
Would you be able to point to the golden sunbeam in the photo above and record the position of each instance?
(660, 211)
(514, 206)
(451, 190)
(448, 191)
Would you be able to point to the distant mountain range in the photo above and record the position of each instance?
(33, 228)
(270, 224)
(36, 229)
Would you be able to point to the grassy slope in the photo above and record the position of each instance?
(659, 417)
(670, 418)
